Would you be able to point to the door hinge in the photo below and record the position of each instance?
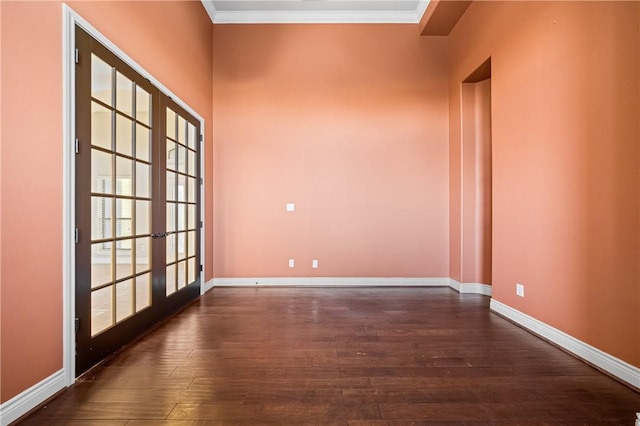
(77, 56)
(77, 325)
(201, 181)
(200, 268)
(77, 146)
(77, 235)
(201, 138)
(201, 224)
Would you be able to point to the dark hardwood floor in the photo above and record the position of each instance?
(343, 356)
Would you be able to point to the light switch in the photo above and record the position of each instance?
(314, 264)
(291, 207)
(292, 263)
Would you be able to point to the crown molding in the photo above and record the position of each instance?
(210, 8)
(422, 7)
(315, 17)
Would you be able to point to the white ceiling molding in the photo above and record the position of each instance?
(315, 11)
(210, 8)
(421, 8)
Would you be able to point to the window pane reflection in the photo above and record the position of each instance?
(143, 291)
(171, 124)
(124, 177)
(101, 213)
(182, 274)
(143, 217)
(101, 264)
(101, 171)
(101, 80)
(100, 126)
(124, 300)
(124, 129)
(101, 310)
(171, 248)
(142, 143)
(143, 254)
(143, 180)
(171, 279)
(124, 94)
(191, 270)
(124, 259)
(143, 105)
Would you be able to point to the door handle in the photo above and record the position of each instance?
(159, 234)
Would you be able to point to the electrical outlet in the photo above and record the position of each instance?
(292, 263)
(519, 290)
(291, 207)
(314, 264)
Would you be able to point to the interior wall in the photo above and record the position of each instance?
(566, 113)
(31, 311)
(171, 40)
(475, 171)
(349, 122)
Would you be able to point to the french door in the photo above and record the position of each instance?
(137, 204)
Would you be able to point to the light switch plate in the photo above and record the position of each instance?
(314, 264)
(292, 263)
(291, 207)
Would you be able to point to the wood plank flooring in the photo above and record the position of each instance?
(341, 356)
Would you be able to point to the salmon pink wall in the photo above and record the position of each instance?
(171, 40)
(566, 113)
(349, 122)
(31, 311)
(475, 179)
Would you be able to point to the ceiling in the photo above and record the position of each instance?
(315, 11)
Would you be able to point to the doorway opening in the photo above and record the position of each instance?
(476, 165)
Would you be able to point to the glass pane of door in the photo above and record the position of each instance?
(182, 175)
(121, 205)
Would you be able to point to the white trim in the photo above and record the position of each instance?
(69, 21)
(422, 7)
(465, 288)
(68, 196)
(473, 288)
(612, 365)
(210, 8)
(203, 202)
(26, 401)
(331, 282)
(207, 286)
(316, 17)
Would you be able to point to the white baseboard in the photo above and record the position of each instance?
(331, 282)
(206, 286)
(473, 288)
(26, 401)
(612, 365)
